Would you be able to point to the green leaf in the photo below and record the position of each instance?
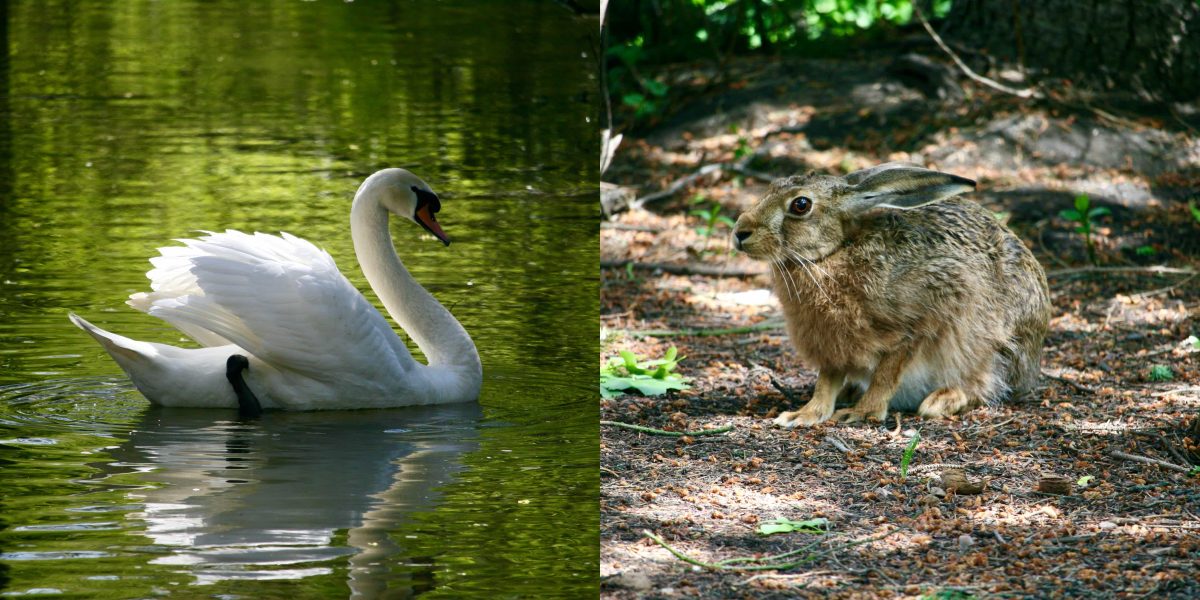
(1161, 373)
(1082, 202)
(1084, 481)
(1195, 210)
(655, 87)
(1071, 215)
(782, 525)
(1193, 340)
(825, 6)
(727, 220)
(631, 364)
(906, 458)
(1099, 211)
(672, 352)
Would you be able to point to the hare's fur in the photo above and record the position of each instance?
(893, 286)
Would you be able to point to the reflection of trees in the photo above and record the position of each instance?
(219, 117)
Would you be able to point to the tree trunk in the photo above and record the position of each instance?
(1147, 47)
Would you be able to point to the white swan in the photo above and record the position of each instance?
(312, 340)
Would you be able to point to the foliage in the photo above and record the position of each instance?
(651, 378)
(711, 216)
(782, 525)
(667, 31)
(906, 458)
(1161, 373)
(1193, 341)
(1085, 216)
(1195, 210)
(1146, 251)
(947, 594)
(1084, 481)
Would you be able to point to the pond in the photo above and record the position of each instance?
(127, 125)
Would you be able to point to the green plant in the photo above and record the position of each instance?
(1193, 341)
(1195, 210)
(1146, 251)
(711, 216)
(1085, 216)
(1195, 471)
(1084, 481)
(1161, 373)
(782, 525)
(650, 378)
(906, 458)
(947, 594)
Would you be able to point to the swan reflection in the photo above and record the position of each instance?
(282, 497)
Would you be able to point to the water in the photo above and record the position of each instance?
(125, 125)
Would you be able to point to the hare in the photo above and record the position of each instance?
(897, 290)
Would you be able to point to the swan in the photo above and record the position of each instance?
(283, 328)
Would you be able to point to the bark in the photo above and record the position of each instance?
(1147, 47)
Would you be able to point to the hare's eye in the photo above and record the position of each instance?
(800, 206)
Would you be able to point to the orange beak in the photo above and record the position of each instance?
(425, 218)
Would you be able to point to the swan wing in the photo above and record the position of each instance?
(280, 298)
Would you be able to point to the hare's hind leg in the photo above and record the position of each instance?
(953, 399)
(944, 402)
(820, 407)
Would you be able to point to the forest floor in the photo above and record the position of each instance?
(1125, 528)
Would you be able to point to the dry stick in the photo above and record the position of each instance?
(724, 566)
(705, 270)
(741, 165)
(1157, 269)
(706, 332)
(996, 85)
(1078, 386)
(1150, 461)
(654, 431)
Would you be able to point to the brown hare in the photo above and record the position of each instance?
(895, 289)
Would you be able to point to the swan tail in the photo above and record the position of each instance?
(130, 354)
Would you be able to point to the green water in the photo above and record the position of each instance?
(126, 124)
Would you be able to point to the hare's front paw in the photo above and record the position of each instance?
(944, 402)
(809, 415)
(858, 413)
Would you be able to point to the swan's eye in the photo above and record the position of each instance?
(427, 198)
(800, 206)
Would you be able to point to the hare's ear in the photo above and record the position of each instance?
(898, 185)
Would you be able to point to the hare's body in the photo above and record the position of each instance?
(919, 300)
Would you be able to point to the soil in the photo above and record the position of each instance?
(1124, 528)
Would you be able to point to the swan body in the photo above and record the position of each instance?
(312, 340)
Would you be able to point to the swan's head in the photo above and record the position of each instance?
(405, 195)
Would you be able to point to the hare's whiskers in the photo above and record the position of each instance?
(803, 262)
(792, 291)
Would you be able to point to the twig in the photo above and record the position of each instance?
(627, 227)
(742, 166)
(705, 270)
(706, 332)
(768, 566)
(1079, 387)
(996, 85)
(654, 431)
(1164, 290)
(1150, 461)
(1156, 269)
(678, 184)
(837, 443)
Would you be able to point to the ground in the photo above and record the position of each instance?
(1120, 373)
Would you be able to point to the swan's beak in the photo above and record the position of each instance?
(426, 220)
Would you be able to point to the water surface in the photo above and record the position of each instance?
(124, 125)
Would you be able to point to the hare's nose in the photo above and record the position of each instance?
(739, 237)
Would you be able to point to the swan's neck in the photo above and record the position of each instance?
(437, 333)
